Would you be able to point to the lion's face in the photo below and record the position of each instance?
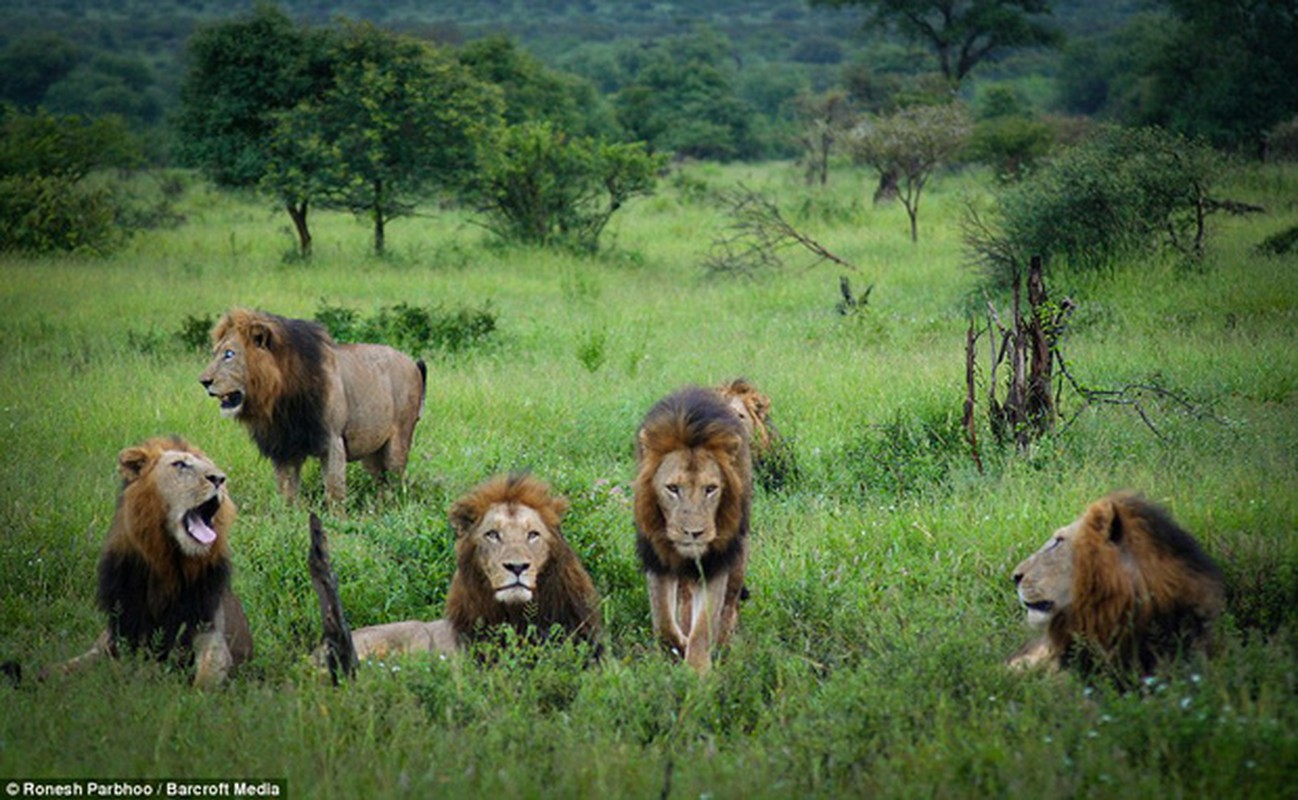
(688, 485)
(190, 487)
(512, 546)
(1045, 578)
(226, 376)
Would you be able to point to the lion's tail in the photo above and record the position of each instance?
(423, 385)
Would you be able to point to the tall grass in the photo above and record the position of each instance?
(870, 655)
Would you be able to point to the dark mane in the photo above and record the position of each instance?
(141, 617)
(293, 426)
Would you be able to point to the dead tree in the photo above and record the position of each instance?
(756, 236)
(340, 653)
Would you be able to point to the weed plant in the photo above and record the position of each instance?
(870, 655)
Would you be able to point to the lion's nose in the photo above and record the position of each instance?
(207, 382)
(695, 534)
(517, 567)
(1018, 578)
(217, 479)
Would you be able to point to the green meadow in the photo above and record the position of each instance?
(870, 656)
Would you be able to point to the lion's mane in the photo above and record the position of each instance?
(692, 419)
(285, 400)
(1152, 595)
(565, 593)
(157, 597)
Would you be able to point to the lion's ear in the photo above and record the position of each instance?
(132, 462)
(1103, 518)
(260, 334)
(560, 506)
(463, 517)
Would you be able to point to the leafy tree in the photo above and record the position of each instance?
(400, 118)
(29, 66)
(963, 33)
(537, 185)
(824, 120)
(911, 144)
(1007, 137)
(682, 100)
(242, 77)
(45, 203)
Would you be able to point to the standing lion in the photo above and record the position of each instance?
(302, 395)
(1122, 588)
(693, 496)
(164, 575)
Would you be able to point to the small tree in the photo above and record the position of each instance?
(538, 185)
(823, 119)
(911, 144)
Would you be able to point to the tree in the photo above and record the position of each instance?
(29, 66)
(538, 185)
(824, 119)
(242, 77)
(400, 118)
(912, 144)
(963, 33)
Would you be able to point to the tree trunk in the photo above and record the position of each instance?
(340, 652)
(297, 212)
(1039, 404)
(887, 189)
(378, 218)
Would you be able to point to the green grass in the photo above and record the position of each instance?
(870, 657)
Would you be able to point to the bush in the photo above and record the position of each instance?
(48, 213)
(411, 328)
(540, 186)
(1011, 145)
(1121, 192)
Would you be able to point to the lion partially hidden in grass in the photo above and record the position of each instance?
(302, 395)
(164, 575)
(693, 495)
(774, 464)
(1121, 589)
(514, 570)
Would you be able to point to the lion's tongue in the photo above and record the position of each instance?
(200, 530)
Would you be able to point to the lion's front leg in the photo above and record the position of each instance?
(705, 625)
(212, 659)
(102, 647)
(288, 476)
(334, 466)
(662, 608)
(1034, 654)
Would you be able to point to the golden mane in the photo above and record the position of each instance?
(1155, 592)
(694, 419)
(565, 593)
(139, 526)
(758, 406)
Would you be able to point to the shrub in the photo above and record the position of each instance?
(411, 328)
(195, 331)
(1123, 191)
(48, 213)
(538, 185)
(1011, 145)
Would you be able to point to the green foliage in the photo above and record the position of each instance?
(412, 328)
(909, 455)
(1122, 192)
(538, 185)
(195, 332)
(1011, 145)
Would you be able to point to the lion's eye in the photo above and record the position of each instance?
(1058, 541)
(492, 536)
(532, 536)
(711, 489)
(228, 354)
(674, 489)
(180, 463)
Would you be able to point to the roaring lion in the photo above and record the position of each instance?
(1122, 588)
(301, 394)
(513, 569)
(774, 464)
(164, 575)
(693, 495)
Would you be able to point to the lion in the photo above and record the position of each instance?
(693, 496)
(774, 465)
(164, 574)
(1123, 587)
(513, 570)
(301, 394)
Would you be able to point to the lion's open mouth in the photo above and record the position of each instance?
(198, 521)
(1040, 606)
(231, 401)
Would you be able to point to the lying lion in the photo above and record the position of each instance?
(164, 575)
(1122, 588)
(302, 395)
(514, 569)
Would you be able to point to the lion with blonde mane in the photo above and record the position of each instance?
(513, 570)
(693, 495)
(302, 395)
(164, 575)
(1122, 588)
(774, 464)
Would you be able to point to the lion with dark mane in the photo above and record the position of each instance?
(1123, 588)
(693, 496)
(513, 570)
(302, 395)
(164, 575)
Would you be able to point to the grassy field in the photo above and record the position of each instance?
(870, 656)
